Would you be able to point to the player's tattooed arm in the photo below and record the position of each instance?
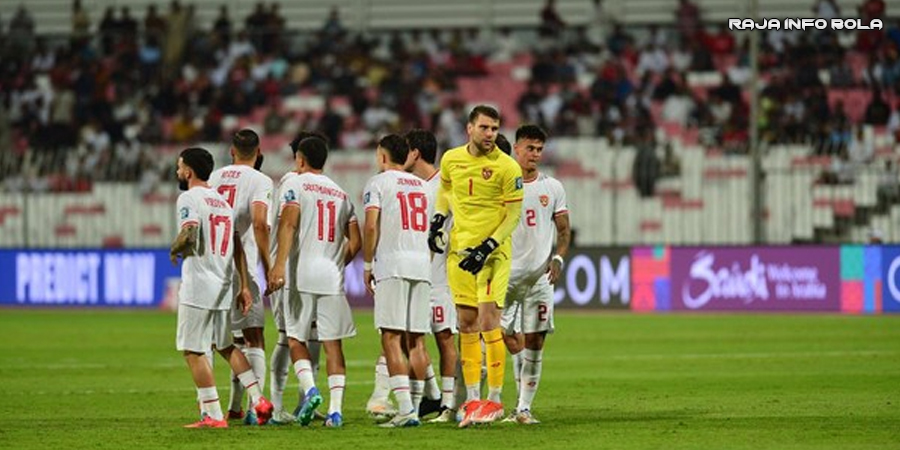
(563, 239)
(184, 244)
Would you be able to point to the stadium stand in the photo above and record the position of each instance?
(649, 121)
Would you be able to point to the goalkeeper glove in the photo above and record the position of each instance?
(474, 261)
(436, 232)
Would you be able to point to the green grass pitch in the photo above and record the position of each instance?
(105, 379)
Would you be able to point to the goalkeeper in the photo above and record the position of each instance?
(483, 187)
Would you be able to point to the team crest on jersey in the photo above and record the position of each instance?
(487, 173)
(545, 200)
(185, 213)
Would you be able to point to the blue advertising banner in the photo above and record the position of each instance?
(101, 278)
(890, 266)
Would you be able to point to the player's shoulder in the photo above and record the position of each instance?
(287, 176)
(550, 181)
(454, 153)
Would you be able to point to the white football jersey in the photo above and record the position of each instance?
(242, 187)
(325, 215)
(206, 275)
(438, 260)
(533, 239)
(403, 232)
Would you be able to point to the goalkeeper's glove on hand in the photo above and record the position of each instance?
(436, 232)
(474, 261)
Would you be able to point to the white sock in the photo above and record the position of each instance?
(382, 385)
(303, 369)
(494, 394)
(432, 391)
(400, 387)
(461, 394)
(473, 391)
(257, 359)
(236, 395)
(517, 369)
(448, 399)
(531, 377)
(416, 390)
(278, 371)
(251, 384)
(336, 385)
(315, 349)
(209, 403)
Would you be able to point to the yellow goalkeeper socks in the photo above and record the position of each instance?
(496, 361)
(470, 357)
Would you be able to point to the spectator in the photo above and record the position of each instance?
(861, 150)
(21, 32)
(551, 23)
(603, 21)
(274, 122)
(687, 16)
(646, 169)
(721, 43)
(183, 128)
(826, 9)
(877, 112)
(108, 31)
(176, 36)
(888, 185)
(872, 9)
(222, 26)
(333, 27)
(154, 25)
(81, 22)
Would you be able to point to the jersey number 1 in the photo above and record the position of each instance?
(214, 222)
(321, 207)
(413, 207)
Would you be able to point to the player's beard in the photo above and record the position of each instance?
(182, 184)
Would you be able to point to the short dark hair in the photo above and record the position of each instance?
(503, 144)
(314, 150)
(396, 147)
(246, 142)
(483, 110)
(199, 160)
(303, 134)
(423, 141)
(530, 131)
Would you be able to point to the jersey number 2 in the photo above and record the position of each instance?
(214, 222)
(321, 207)
(413, 207)
(530, 217)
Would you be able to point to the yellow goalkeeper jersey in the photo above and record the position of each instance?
(480, 187)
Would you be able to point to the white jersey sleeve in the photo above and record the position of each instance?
(402, 250)
(535, 235)
(206, 276)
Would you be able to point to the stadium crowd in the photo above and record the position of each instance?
(93, 105)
